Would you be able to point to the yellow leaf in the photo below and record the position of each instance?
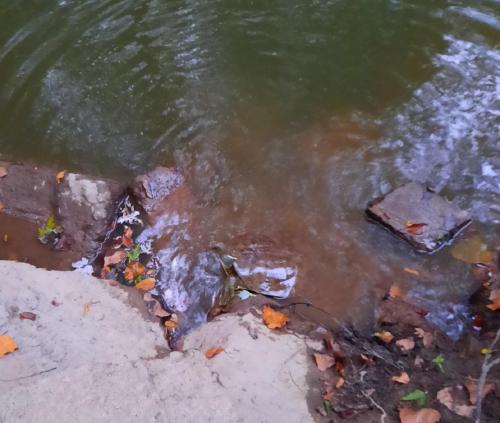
(385, 336)
(7, 345)
(60, 176)
(272, 318)
(146, 284)
(212, 352)
(86, 308)
(170, 324)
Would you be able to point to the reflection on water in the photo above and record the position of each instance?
(285, 118)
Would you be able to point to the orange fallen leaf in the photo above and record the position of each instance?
(495, 299)
(340, 383)
(60, 176)
(272, 318)
(471, 386)
(323, 361)
(415, 228)
(133, 270)
(425, 336)
(146, 284)
(395, 292)
(403, 378)
(170, 324)
(27, 315)
(7, 345)
(411, 271)
(212, 352)
(126, 239)
(385, 336)
(114, 258)
(86, 308)
(424, 415)
(328, 390)
(446, 397)
(406, 344)
(3, 171)
(1, 206)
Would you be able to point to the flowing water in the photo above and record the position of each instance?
(285, 116)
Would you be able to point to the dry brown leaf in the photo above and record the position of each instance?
(3, 171)
(272, 318)
(411, 271)
(415, 228)
(403, 378)
(60, 176)
(323, 361)
(114, 258)
(425, 336)
(340, 383)
(146, 284)
(424, 415)
(385, 336)
(86, 308)
(406, 344)
(328, 390)
(395, 292)
(212, 352)
(1, 206)
(495, 300)
(445, 396)
(27, 315)
(471, 386)
(7, 345)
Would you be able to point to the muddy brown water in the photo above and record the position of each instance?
(286, 118)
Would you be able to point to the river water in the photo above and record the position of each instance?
(287, 117)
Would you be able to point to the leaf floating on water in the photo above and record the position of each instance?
(403, 378)
(60, 176)
(446, 397)
(3, 171)
(406, 344)
(424, 415)
(273, 319)
(146, 284)
(425, 336)
(323, 361)
(415, 228)
(27, 315)
(385, 336)
(212, 352)
(471, 250)
(7, 345)
(495, 300)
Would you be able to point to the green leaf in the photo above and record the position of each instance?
(417, 395)
(439, 361)
(134, 253)
(327, 405)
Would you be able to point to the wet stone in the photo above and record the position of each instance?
(418, 215)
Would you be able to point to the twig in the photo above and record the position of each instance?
(485, 368)
(384, 414)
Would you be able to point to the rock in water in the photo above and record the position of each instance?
(419, 215)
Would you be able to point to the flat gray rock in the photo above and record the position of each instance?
(419, 215)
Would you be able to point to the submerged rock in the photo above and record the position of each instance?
(419, 215)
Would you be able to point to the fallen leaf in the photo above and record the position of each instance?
(471, 250)
(159, 311)
(406, 344)
(340, 383)
(339, 366)
(323, 361)
(170, 324)
(424, 415)
(471, 386)
(7, 345)
(86, 308)
(27, 315)
(272, 318)
(419, 361)
(114, 258)
(403, 378)
(395, 292)
(411, 271)
(1, 206)
(3, 171)
(60, 176)
(425, 336)
(416, 395)
(146, 284)
(328, 390)
(126, 239)
(415, 228)
(495, 299)
(133, 270)
(385, 336)
(212, 352)
(446, 397)
(367, 360)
